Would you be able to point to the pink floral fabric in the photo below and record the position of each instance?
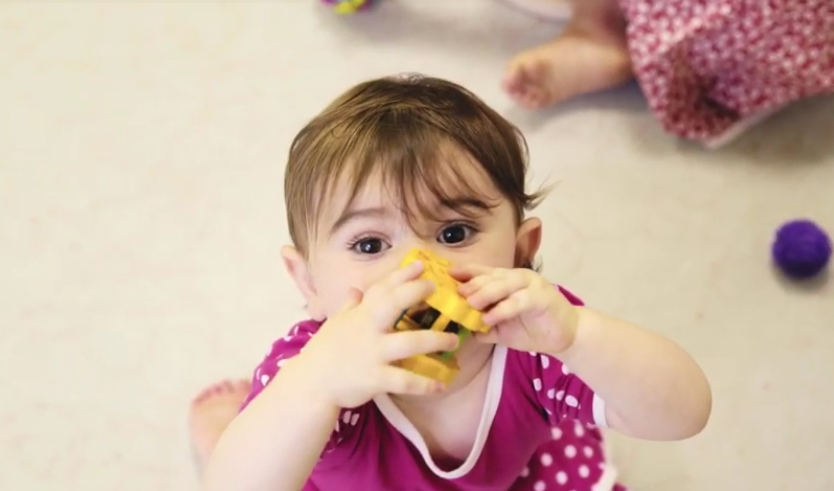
(708, 66)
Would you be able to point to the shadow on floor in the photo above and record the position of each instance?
(799, 135)
(811, 286)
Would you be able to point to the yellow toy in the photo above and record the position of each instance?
(444, 310)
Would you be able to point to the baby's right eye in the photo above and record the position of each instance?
(370, 245)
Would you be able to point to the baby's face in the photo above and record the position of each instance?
(359, 243)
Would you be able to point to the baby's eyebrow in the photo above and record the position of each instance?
(351, 214)
(461, 203)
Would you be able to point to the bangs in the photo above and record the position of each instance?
(427, 175)
(431, 145)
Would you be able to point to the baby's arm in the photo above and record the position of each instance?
(274, 443)
(282, 431)
(651, 387)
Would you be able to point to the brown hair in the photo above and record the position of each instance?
(402, 127)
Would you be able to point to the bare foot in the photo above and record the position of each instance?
(583, 59)
(211, 413)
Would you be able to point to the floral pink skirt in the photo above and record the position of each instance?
(711, 68)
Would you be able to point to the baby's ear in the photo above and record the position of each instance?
(296, 266)
(527, 242)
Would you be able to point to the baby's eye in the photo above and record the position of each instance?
(370, 245)
(455, 234)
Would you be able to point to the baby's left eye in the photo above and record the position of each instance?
(455, 234)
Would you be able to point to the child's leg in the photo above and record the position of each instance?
(590, 55)
(211, 413)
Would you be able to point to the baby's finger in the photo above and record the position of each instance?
(474, 284)
(354, 299)
(509, 308)
(397, 277)
(385, 308)
(465, 272)
(405, 273)
(497, 290)
(400, 345)
(396, 380)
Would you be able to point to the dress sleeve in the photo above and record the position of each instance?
(559, 393)
(282, 350)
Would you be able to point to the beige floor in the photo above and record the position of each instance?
(141, 153)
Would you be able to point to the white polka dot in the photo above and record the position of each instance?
(551, 393)
(264, 379)
(561, 477)
(570, 451)
(584, 471)
(565, 369)
(537, 384)
(354, 419)
(556, 433)
(560, 395)
(539, 486)
(525, 472)
(578, 429)
(588, 452)
(346, 417)
(571, 401)
(545, 362)
(280, 362)
(547, 460)
(533, 353)
(288, 338)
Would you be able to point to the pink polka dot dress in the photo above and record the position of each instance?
(710, 69)
(538, 432)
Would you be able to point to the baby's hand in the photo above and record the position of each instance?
(350, 357)
(526, 312)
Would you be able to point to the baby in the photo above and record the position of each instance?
(392, 165)
(709, 70)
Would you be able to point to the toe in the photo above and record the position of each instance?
(233, 389)
(242, 385)
(516, 78)
(212, 412)
(204, 394)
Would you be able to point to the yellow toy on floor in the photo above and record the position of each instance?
(444, 310)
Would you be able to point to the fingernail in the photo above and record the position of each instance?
(439, 387)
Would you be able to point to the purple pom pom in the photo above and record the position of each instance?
(801, 249)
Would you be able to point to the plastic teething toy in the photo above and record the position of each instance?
(444, 310)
